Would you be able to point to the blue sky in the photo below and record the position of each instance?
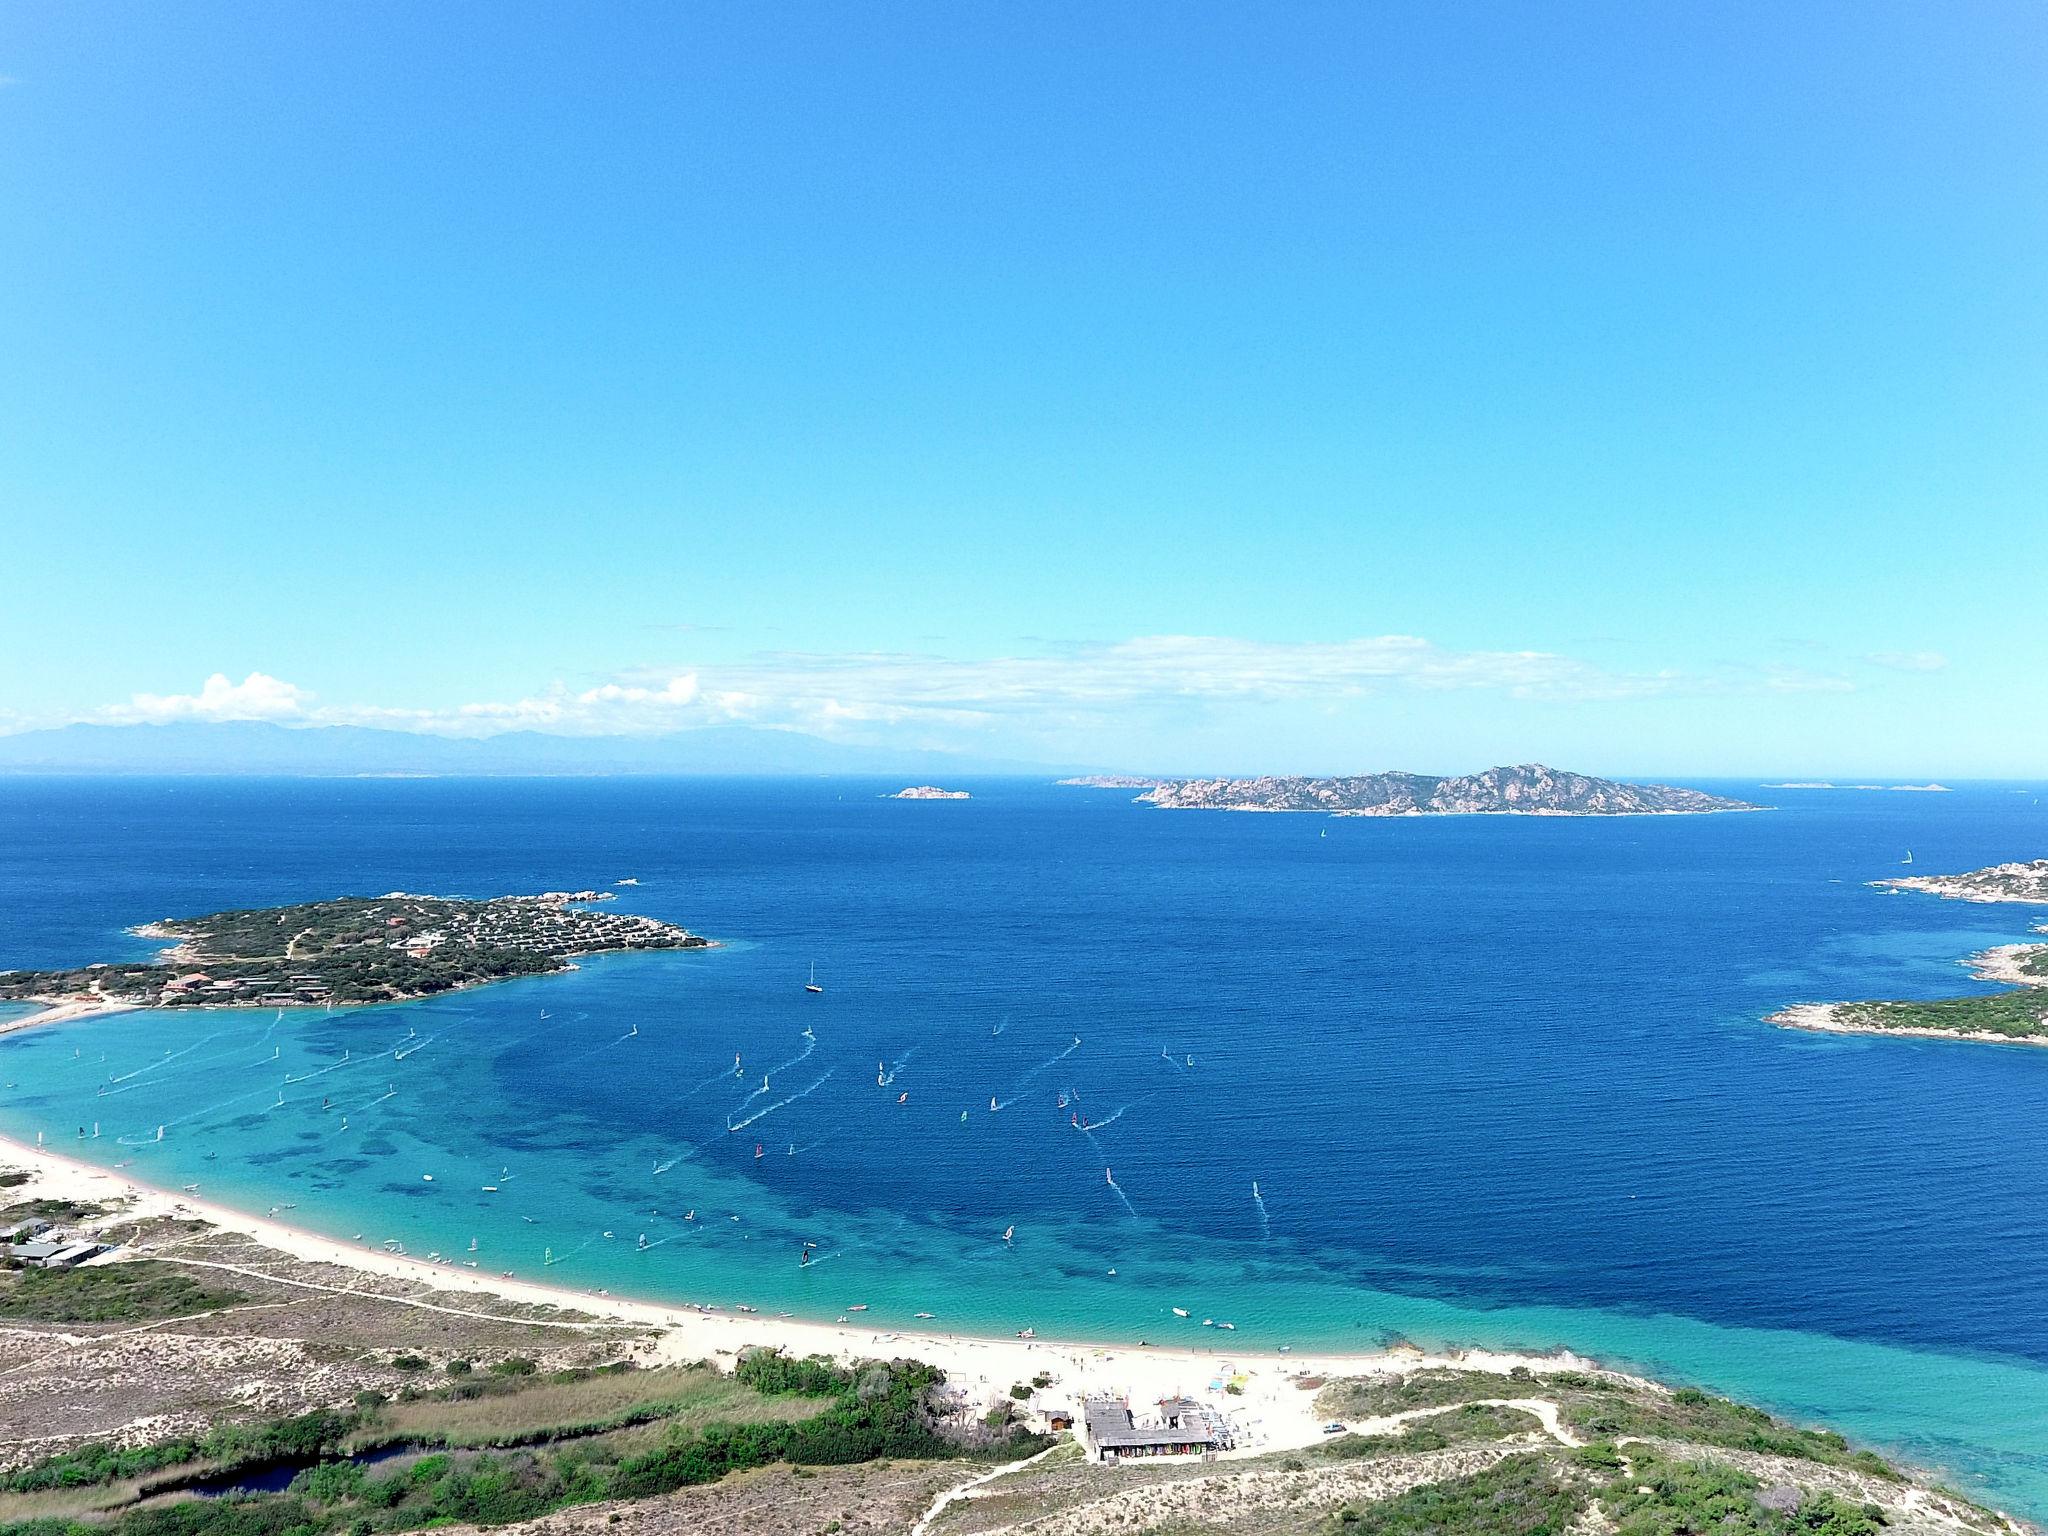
(1641, 388)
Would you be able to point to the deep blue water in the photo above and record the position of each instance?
(1499, 1080)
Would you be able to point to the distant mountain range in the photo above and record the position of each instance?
(253, 747)
(1528, 789)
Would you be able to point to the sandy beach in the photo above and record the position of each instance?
(61, 1012)
(1271, 1408)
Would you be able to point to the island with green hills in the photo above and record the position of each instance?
(352, 949)
(2016, 1016)
(1525, 789)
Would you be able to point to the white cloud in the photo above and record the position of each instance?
(1908, 661)
(1060, 685)
(258, 696)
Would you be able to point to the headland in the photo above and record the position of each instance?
(2015, 1017)
(349, 950)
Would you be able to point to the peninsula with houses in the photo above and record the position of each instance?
(353, 949)
(1527, 789)
(2015, 1016)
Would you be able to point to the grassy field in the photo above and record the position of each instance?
(1370, 1397)
(141, 1291)
(687, 1397)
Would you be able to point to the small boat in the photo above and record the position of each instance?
(643, 1240)
(633, 1031)
(963, 1117)
(903, 1098)
(191, 1189)
(1908, 858)
(858, 1306)
(427, 1178)
(1255, 1189)
(607, 1234)
(746, 1309)
(1189, 1062)
(992, 1104)
(543, 1013)
(1063, 1101)
(881, 1074)
(812, 984)
(926, 1316)
(1009, 1232)
(1180, 1311)
(490, 1189)
(1208, 1322)
(1112, 1274)
(472, 1245)
(737, 1069)
(807, 1033)
(1231, 1326)
(757, 1150)
(1108, 1177)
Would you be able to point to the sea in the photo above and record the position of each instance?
(1460, 1081)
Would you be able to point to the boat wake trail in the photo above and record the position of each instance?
(403, 1051)
(768, 1078)
(550, 1258)
(1109, 1179)
(167, 1058)
(350, 1060)
(889, 1073)
(664, 1166)
(1046, 1065)
(798, 1151)
(762, 1114)
(1265, 1221)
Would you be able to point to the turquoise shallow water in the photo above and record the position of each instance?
(1499, 1081)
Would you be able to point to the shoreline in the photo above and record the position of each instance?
(62, 1008)
(1269, 1383)
(1824, 1019)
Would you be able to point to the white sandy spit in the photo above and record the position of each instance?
(1271, 1409)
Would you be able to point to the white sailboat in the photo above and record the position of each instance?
(1908, 858)
(812, 984)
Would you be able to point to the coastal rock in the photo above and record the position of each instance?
(929, 792)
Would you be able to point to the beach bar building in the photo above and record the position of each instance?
(1182, 1427)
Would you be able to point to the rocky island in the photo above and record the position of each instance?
(2017, 1016)
(929, 792)
(1529, 789)
(353, 949)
